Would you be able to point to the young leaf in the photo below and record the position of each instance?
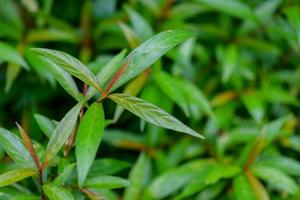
(88, 139)
(107, 72)
(16, 149)
(9, 54)
(55, 192)
(60, 180)
(243, 189)
(45, 124)
(15, 176)
(148, 52)
(151, 113)
(70, 64)
(62, 132)
(106, 182)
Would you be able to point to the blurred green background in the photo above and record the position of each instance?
(236, 82)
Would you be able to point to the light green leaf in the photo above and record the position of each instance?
(61, 178)
(151, 113)
(12, 72)
(170, 87)
(107, 166)
(107, 72)
(243, 189)
(255, 105)
(137, 177)
(131, 37)
(45, 124)
(62, 132)
(88, 139)
(293, 15)
(141, 27)
(231, 7)
(70, 64)
(15, 148)
(276, 178)
(55, 192)
(11, 55)
(147, 53)
(106, 182)
(52, 34)
(15, 176)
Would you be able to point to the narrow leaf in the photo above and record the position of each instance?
(106, 182)
(62, 132)
(88, 139)
(55, 192)
(45, 124)
(70, 64)
(16, 149)
(10, 54)
(243, 189)
(151, 113)
(60, 180)
(15, 176)
(150, 51)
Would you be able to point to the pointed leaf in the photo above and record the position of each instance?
(70, 64)
(243, 189)
(15, 176)
(45, 124)
(10, 54)
(16, 149)
(148, 52)
(88, 139)
(151, 113)
(61, 178)
(106, 182)
(107, 166)
(62, 132)
(54, 192)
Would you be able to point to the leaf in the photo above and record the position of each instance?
(107, 72)
(11, 55)
(62, 132)
(106, 182)
(137, 177)
(131, 37)
(169, 86)
(276, 178)
(13, 70)
(61, 178)
(15, 176)
(16, 149)
(45, 124)
(231, 7)
(151, 113)
(52, 34)
(243, 189)
(62, 77)
(147, 53)
(107, 166)
(141, 27)
(293, 14)
(55, 192)
(255, 105)
(70, 64)
(89, 136)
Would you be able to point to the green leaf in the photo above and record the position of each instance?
(62, 77)
(70, 64)
(12, 72)
(255, 105)
(11, 55)
(169, 86)
(293, 15)
(61, 178)
(276, 178)
(243, 189)
(15, 176)
(62, 132)
(231, 7)
(131, 37)
(107, 72)
(45, 124)
(106, 182)
(89, 136)
(15, 148)
(137, 177)
(141, 27)
(52, 34)
(151, 113)
(55, 192)
(107, 166)
(147, 53)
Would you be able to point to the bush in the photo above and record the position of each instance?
(211, 86)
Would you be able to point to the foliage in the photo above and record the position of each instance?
(211, 86)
